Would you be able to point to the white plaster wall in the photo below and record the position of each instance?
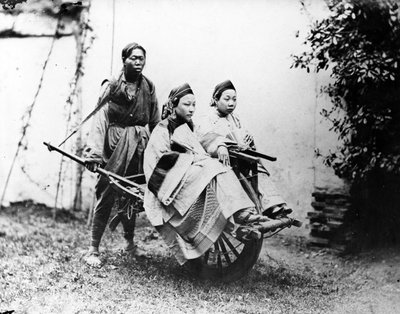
(200, 42)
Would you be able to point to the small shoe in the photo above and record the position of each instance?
(277, 211)
(272, 211)
(284, 212)
(281, 215)
(287, 210)
(248, 216)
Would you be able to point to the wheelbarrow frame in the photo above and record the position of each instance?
(232, 255)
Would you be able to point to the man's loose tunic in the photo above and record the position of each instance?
(119, 135)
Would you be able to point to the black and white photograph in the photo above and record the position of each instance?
(200, 156)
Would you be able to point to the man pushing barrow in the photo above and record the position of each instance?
(125, 115)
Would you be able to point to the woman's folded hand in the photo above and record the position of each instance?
(223, 155)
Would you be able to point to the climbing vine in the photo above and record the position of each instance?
(84, 37)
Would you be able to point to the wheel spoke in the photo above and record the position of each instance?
(219, 261)
(206, 256)
(233, 249)
(223, 248)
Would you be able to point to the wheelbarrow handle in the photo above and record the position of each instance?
(99, 170)
(75, 158)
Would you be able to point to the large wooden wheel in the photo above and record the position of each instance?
(230, 258)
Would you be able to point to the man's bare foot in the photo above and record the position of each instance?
(91, 258)
(129, 246)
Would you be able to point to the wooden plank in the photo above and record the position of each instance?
(322, 195)
(318, 242)
(322, 220)
(318, 214)
(334, 224)
(329, 209)
(318, 205)
(345, 202)
(321, 234)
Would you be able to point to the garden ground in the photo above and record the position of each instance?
(42, 272)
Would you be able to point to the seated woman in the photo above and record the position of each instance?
(190, 197)
(222, 122)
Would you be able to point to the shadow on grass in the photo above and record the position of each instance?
(28, 208)
(165, 268)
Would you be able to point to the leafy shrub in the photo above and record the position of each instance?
(10, 4)
(359, 42)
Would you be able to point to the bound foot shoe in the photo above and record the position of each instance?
(92, 259)
(247, 216)
(284, 212)
(278, 211)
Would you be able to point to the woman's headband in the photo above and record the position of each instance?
(173, 98)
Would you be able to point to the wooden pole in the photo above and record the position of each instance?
(80, 42)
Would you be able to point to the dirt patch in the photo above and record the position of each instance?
(41, 272)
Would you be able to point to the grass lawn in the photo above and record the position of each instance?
(42, 272)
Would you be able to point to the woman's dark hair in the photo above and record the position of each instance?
(219, 89)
